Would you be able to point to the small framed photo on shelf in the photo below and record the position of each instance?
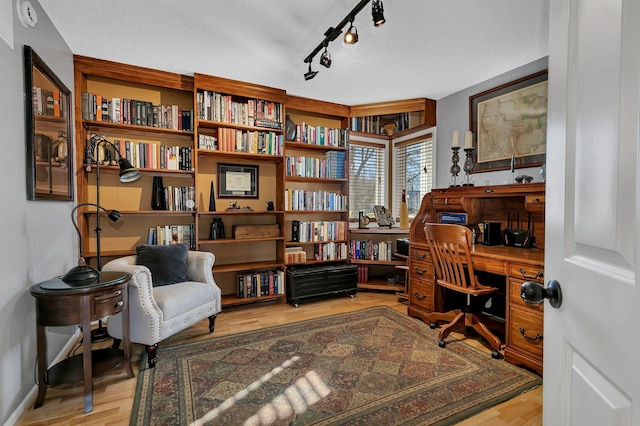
(237, 181)
(509, 122)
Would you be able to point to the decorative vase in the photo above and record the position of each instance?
(157, 194)
(404, 211)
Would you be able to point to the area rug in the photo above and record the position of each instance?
(370, 367)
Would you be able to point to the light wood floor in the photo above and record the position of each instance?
(113, 394)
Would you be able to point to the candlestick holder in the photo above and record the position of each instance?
(468, 167)
(455, 168)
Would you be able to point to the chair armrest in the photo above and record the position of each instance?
(200, 266)
(141, 283)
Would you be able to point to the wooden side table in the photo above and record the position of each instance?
(59, 304)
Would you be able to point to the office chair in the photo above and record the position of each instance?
(450, 251)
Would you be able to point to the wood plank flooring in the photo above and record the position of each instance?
(113, 394)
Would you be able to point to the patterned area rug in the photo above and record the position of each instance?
(371, 367)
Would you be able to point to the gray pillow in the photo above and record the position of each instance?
(168, 264)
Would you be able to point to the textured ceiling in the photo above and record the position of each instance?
(427, 48)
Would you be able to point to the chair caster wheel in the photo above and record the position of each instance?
(441, 343)
(432, 325)
(495, 354)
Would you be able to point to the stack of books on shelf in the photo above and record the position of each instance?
(251, 142)
(260, 283)
(180, 198)
(295, 255)
(306, 167)
(172, 234)
(143, 155)
(251, 112)
(336, 164)
(137, 112)
(371, 250)
(319, 231)
(376, 123)
(303, 200)
(320, 135)
(48, 102)
(331, 251)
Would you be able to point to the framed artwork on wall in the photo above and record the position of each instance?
(48, 130)
(510, 122)
(237, 181)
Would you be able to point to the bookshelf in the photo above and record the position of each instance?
(109, 85)
(240, 125)
(386, 119)
(316, 182)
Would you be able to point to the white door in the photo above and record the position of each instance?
(592, 342)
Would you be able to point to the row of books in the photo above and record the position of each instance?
(311, 231)
(371, 250)
(294, 255)
(137, 112)
(320, 135)
(331, 251)
(375, 123)
(337, 161)
(251, 112)
(143, 155)
(302, 199)
(314, 167)
(48, 102)
(172, 234)
(260, 283)
(251, 142)
(179, 198)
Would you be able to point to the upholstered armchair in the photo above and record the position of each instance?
(157, 312)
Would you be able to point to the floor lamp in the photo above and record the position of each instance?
(83, 272)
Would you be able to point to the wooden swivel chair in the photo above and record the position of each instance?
(450, 251)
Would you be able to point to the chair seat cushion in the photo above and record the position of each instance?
(183, 297)
(168, 264)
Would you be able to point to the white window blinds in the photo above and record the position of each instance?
(413, 172)
(367, 178)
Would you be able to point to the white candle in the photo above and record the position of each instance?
(468, 139)
(455, 141)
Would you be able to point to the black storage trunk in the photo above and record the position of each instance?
(320, 280)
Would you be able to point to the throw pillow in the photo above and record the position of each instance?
(168, 264)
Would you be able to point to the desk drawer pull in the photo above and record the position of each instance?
(531, 339)
(420, 256)
(420, 271)
(118, 292)
(119, 304)
(524, 275)
(424, 296)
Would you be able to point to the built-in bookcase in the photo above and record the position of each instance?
(392, 118)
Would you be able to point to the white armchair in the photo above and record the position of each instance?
(159, 312)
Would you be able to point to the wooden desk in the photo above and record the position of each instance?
(523, 322)
(58, 304)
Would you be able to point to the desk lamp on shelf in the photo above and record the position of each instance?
(84, 274)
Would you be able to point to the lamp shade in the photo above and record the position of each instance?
(128, 173)
(351, 36)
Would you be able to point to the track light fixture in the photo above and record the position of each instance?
(350, 37)
(310, 74)
(325, 59)
(377, 12)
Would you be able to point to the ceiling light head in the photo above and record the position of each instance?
(325, 58)
(310, 74)
(351, 36)
(377, 13)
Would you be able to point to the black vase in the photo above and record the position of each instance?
(158, 201)
(212, 199)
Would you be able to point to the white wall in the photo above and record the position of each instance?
(453, 114)
(38, 240)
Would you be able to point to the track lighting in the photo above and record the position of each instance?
(377, 13)
(325, 59)
(351, 36)
(310, 74)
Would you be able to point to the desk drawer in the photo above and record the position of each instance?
(448, 203)
(419, 254)
(525, 332)
(108, 303)
(527, 272)
(494, 266)
(516, 300)
(421, 293)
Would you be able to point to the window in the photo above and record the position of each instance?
(413, 172)
(367, 177)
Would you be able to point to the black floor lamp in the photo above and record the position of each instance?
(83, 273)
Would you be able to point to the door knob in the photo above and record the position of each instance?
(533, 292)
